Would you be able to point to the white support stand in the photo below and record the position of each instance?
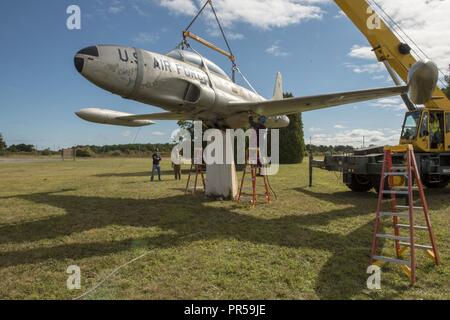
(221, 179)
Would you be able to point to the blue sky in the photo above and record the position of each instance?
(40, 89)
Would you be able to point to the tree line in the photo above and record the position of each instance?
(136, 149)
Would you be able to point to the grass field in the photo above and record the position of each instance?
(99, 214)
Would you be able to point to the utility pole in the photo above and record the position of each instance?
(310, 163)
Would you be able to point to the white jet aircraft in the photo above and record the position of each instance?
(190, 87)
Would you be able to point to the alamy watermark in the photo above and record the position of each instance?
(374, 280)
(74, 279)
(374, 20)
(73, 22)
(231, 146)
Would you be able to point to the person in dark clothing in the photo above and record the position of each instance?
(156, 157)
(257, 125)
(177, 170)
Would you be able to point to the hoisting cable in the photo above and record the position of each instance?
(204, 65)
(186, 33)
(245, 79)
(221, 30)
(198, 14)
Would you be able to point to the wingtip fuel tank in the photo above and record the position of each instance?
(422, 81)
(110, 117)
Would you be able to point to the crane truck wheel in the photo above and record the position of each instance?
(360, 183)
(444, 181)
(376, 184)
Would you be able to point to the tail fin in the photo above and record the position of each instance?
(278, 91)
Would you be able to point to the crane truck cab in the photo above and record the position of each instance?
(427, 130)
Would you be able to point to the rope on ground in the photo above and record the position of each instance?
(110, 275)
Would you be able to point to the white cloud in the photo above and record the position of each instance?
(186, 7)
(144, 37)
(366, 68)
(259, 13)
(157, 133)
(395, 104)
(339, 126)
(230, 34)
(365, 53)
(355, 137)
(360, 52)
(277, 51)
(314, 129)
(379, 77)
(340, 15)
(139, 10)
(115, 10)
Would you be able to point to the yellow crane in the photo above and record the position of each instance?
(398, 57)
(427, 128)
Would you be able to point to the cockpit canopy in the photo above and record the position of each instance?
(195, 59)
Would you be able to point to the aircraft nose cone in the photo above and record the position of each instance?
(89, 53)
(79, 64)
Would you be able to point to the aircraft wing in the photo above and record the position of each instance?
(158, 116)
(302, 104)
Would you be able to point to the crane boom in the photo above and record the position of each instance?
(386, 45)
(427, 129)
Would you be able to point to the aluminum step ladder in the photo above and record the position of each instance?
(197, 170)
(402, 181)
(253, 171)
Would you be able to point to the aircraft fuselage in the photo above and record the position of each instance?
(169, 83)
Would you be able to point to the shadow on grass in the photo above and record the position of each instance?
(189, 219)
(344, 274)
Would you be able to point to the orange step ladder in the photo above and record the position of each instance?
(402, 181)
(251, 174)
(198, 170)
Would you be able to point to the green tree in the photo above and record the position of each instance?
(292, 144)
(21, 148)
(186, 125)
(2, 143)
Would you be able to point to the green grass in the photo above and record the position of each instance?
(99, 214)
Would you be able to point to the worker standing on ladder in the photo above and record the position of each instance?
(257, 126)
